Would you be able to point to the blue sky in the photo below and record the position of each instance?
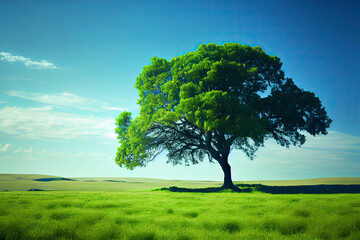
(68, 68)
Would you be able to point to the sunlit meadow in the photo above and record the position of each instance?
(155, 214)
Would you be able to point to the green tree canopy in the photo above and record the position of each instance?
(208, 102)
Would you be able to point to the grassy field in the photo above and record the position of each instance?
(141, 213)
(23, 182)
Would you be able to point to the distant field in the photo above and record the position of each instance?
(23, 182)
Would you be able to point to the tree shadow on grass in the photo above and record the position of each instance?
(205, 190)
(310, 189)
(303, 189)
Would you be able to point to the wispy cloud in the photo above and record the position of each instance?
(42, 64)
(4, 148)
(65, 99)
(333, 151)
(60, 99)
(18, 150)
(114, 108)
(45, 123)
(334, 155)
(334, 141)
(21, 79)
(30, 150)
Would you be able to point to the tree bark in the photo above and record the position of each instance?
(225, 166)
(221, 154)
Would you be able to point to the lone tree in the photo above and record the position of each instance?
(214, 100)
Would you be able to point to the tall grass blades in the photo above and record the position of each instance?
(167, 215)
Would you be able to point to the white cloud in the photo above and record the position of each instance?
(18, 150)
(91, 154)
(42, 64)
(335, 150)
(61, 99)
(334, 155)
(45, 123)
(334, 140)
(4, 148)
(112, 135)
(115, 108)
(30, 150)
(21, 79)
(64, 99)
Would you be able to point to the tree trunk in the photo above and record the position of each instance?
(228, 184)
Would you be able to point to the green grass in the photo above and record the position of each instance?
(168, 215)
(92, 208)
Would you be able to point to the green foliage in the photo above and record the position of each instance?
(215, 99)
(196, 216)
